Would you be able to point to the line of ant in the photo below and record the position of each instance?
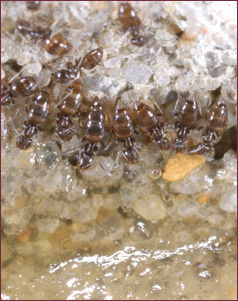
(148, 120)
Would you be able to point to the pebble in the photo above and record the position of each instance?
(25, 159)
(188, 209)
(151, 208)
(204, 198)
(229, 200)
(136, 73)
(25, 236)
(180, 165)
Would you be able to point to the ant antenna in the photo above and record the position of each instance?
(16, 75)
(157, 107)
(178, 100)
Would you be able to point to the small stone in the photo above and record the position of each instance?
(180, 165)
(97, 5)
(211, 59)
(136, 73)
(216, 72)
(188, 209)
(21, 201)
(204, 198)
(48, 225)
(171, 97)
(215, 219)
(25, 159)
(229, 200)
(25, 236)
(151, 208)
(34, 68)
(229, 293)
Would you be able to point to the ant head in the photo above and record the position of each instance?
(138, 105)
(120, 107)
(131, 156)
(96, 103)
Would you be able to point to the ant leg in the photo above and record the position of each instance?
(107, 172)
(200, 149)
(176, 105)
(138, 153)
(67, 95)
(158, 110)
(111, 141)
(98, 163)
(26, 108)
(123, 155)
(116, 164)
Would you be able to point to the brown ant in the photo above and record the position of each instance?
(149, 122)
(57, 45)
(33, 5)
(36, 32)
(124, 129)
(187, 113)
(69, 107)
(25, 86)
(89, 61)
(127, 17)
(217, 119)
(37, 114)
(94, 133)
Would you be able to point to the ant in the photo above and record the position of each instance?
(149, 122)
(217, 119)
(36, 32)
(124, 129)
(37, 114)
(94, 133)
(69, 107)
(187, 113)
(127, 17)
(25, 86)
(89, 61)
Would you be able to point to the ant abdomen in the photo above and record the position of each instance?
(92, 59)
(188, 113)
(217, 117)
(57, 45)
(39, 108)
(25, 86)
(94, 127)
(72, 99)
(146, 116)
(122, 123)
